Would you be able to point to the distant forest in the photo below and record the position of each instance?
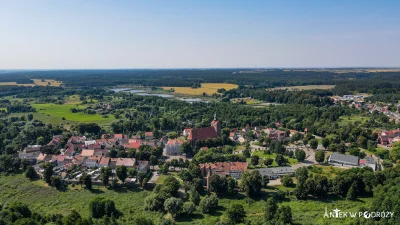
(382, 84)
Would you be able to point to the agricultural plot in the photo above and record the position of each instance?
(36, 82)
(208, 88)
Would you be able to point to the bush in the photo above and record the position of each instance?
(100, 207)
(287, 181)
(209, 204)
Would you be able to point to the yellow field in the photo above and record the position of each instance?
(208, 88)
(307, 87)
(47, 82)
(37, 82)
(14, 84)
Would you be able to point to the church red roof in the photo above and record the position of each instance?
(202, 134)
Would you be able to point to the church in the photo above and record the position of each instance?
(204, 133)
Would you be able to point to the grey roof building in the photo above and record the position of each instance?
(344, 160)
(276, 172)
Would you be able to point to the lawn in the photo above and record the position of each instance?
(343, 120)
(263, 155)
(59, 111)
(209, 88)
(130, 202)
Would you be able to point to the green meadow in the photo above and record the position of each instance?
(263, 155)
(130, 202)
(351, 119)
(58, 111)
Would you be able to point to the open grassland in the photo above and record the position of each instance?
(130, 202)
(307, 87)
(208, 88)
(343, 120)
(263, 155)
(59, 111)
(36, 82)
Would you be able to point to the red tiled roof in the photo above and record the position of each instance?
(133, 143)
(202, 134)
(118, 136)
(128, 162)
(87, 152)
(224, 167)
(174, 141)
(104, 160)
(148, 134)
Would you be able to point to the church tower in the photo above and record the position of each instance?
(217, 125)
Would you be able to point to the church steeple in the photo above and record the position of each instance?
(215, 116)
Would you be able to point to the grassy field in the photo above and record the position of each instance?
(36, 82)
(347, 119)
(262, 155)
(307, 87)
(59, 111)
(130, 202)
(209, 88)
(47, 82)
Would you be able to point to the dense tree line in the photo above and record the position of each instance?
(311, 97)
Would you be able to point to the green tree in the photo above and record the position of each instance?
(31, 173)
(265, 181)
(300, 155)
(173, 205)
(100, 207)
(171, 135)
(325, 143)
(313, 144)
(87, 180)
(271, 207)
(48, 172)
(284, 215)
(105, 173)
(236, 213)
(255, 159)
(208, 204)
(280, 160)
(320, 156)
(189, 208)
(251, 183)
(142, 220)
(268, 162)
(122, 173)
(351, 194)
(287, 180)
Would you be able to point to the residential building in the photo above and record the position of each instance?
(142, 166)
(234, 169)
(92, 161)
(128, 162)
(104, 161)
(173, 147)
(368, 161)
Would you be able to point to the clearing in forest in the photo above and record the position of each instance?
(208, 88)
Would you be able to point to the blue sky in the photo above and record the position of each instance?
(55, 34)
